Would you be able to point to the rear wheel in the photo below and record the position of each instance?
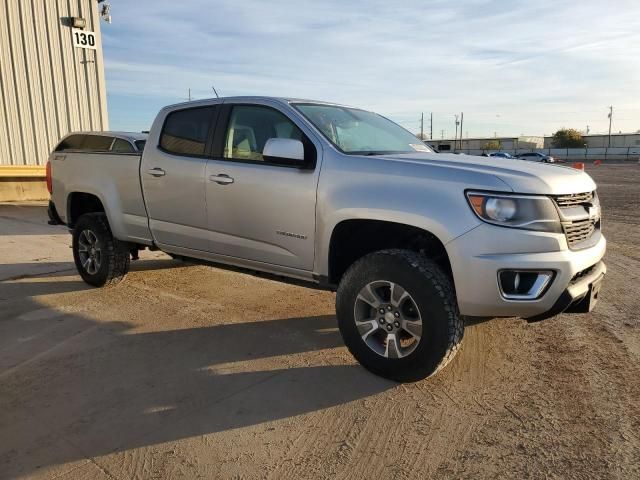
(101, 259)
(398, 315)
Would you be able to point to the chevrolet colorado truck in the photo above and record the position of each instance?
(340, 198)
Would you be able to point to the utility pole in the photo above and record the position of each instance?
(587, 129)
(610, 119)
(461, 120)
(442, 133)
(455, 138)
(431, 130)
(422, 126)
(189, 94)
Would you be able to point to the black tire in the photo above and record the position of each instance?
(433, 293)
(114, 256)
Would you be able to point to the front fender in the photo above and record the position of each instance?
(426, 196)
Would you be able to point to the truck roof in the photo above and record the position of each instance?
(249, 98)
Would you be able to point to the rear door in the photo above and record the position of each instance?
(173, 178)
(258, 210)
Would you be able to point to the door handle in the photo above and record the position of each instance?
(156, 172)
(222, 179)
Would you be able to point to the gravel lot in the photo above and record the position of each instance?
(195, 372)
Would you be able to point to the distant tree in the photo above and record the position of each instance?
(492, 145)
(567, 138)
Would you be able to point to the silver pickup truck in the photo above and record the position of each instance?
(343, 199)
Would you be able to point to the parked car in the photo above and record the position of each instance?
(536, 157)
(501, 155)
(346, 200)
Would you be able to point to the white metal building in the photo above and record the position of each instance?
(506, 143)
(51, 79)
(618, 140)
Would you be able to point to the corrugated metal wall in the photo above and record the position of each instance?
(47, 87)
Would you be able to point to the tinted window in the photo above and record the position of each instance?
(97, 143)
(185, 131)
(140, 144)
(251, 126)
(122, 146)
(72, 142)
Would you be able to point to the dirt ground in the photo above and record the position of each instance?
(195, 372)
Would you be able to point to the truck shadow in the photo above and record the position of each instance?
(8, 271)
(73, 387)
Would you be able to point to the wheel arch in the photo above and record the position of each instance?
(354, 238)
(84, 201)
(79, 203)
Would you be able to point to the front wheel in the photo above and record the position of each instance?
(101, 259)
(398, 315)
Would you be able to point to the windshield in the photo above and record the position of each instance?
(358, 132)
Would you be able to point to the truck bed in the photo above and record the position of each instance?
(112, 177)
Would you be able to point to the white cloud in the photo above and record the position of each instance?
(511, 66)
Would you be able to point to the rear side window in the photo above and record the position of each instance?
(97, 143)
(122, 146)
(140, 144)
(185, 131)
(72, 142)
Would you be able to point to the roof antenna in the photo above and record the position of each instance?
(214, 91)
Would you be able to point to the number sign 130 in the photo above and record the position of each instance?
(83, 38)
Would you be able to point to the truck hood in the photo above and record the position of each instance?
(522, 176)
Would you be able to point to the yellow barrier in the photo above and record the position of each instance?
(22, 171)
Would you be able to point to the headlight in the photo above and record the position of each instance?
(516, 211)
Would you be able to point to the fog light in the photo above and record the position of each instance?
(523, 284)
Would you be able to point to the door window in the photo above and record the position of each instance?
(251, 126)
(185, 131)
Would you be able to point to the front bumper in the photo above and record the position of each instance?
(477, 256)
(579, 297)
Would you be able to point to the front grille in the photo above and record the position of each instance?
(579, 230)
(573, 200)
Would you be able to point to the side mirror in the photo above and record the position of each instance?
(284, 151)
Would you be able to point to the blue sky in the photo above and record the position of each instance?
(513, 67)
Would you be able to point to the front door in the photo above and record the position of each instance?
(258, 210)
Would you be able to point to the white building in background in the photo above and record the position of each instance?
(618, 140)
(51, 80)
(506, 143)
